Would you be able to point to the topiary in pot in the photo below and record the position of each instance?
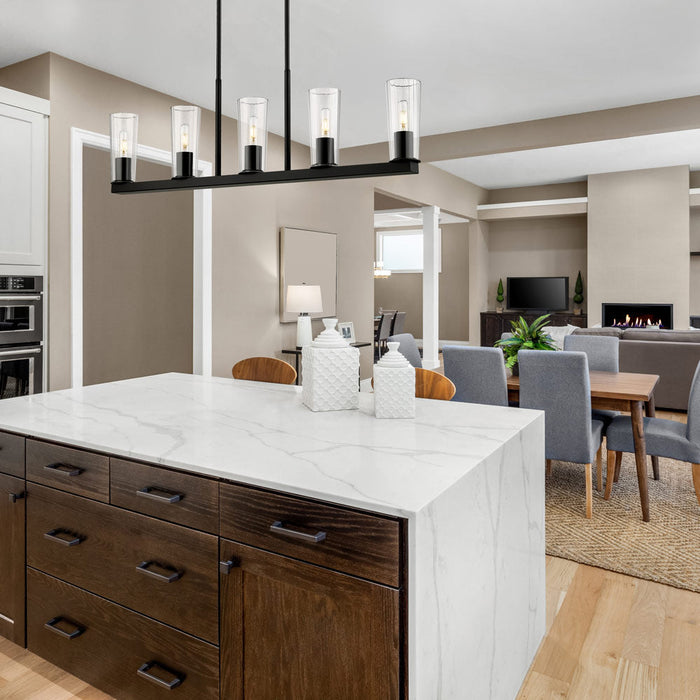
(499, 292)
(578, 290)
(530, 337)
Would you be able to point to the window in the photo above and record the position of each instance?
(402, 251)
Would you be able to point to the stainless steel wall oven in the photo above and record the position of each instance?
(21, 336)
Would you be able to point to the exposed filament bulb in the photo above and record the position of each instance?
(403, 115)
(253, 130)
(123, 144)
(184, 137)
(325, 121)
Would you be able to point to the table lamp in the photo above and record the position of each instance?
(303, 299)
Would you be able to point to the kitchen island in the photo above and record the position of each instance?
(442, 515)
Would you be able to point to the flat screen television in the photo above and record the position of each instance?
(538, 293)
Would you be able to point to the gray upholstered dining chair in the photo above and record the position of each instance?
(664, 438)
(603, 354)
(398, 323)
(478, 373)
(408, 348)
(558, 384)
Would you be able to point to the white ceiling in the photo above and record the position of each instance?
(576, 161)
(481, 62)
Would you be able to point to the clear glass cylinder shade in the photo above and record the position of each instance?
(324, 120)
(123, 130)
(403, 116)
(185, 121)
(252, 134)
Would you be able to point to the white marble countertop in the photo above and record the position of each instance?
(261, 434)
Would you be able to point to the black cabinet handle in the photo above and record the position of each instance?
(160, 495)
(53, 623)
(280, 529)
(145, 672)
(63, 469)
(64, 537)
(14, 497)
(145, 568)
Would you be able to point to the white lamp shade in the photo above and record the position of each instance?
(304, 298)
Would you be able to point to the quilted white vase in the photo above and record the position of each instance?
(330, 371)
(394, 385)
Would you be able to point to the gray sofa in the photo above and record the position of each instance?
(673, 355)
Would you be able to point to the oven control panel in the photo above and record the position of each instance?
(20, 284)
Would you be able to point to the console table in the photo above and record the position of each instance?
(493, 324)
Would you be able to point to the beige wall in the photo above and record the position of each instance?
(638, 240)
(30, 76)
(137, 277)
(536, 248)
(695, 262)
(538, 192)
(404, 292)
(479, 237)
(245, 221)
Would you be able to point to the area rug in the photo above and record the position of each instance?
(665, 550)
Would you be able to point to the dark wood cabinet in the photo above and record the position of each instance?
(12, 547)
(295, 630)
(494, 324)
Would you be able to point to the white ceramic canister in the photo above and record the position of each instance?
(394, 385)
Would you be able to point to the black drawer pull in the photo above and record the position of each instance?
(279, 529)
(160, 495)
(145, 672)
(14, 497)
(145, 568)
(63, 469)
(53, 626)
(64, 537)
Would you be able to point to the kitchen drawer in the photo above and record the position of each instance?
(100, 548)
(12, 454)
(64, 468)
(180, 498)
(105, 644)
(356, 543)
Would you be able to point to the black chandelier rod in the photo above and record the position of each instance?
(217, 125)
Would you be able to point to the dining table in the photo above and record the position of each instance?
(621, 391)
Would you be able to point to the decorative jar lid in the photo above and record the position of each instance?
(330, 338)
(393, 358)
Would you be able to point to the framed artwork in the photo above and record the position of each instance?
(347, 330)
(308, 257)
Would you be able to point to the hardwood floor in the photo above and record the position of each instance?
(609, 636)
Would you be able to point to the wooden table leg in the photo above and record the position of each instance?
(640, 456)
(651, 413)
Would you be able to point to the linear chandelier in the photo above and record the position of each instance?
(403, 113)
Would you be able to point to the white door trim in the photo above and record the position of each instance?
(202, 254)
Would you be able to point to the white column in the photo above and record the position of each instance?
(431, 267)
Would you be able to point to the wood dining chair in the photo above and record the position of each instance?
(265, 369)
(433, 385)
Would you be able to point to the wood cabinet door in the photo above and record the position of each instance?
(295, 630)
(12, 563)
(491, 329)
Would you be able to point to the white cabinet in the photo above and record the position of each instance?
(23, 181)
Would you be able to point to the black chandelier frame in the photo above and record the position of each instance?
(331, 172)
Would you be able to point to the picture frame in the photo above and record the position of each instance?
(347, 330)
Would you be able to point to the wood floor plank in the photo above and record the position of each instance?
(635, 681)
(645, 631)
(679, 673)
(559, 653)
(540, 687)
(600, 655)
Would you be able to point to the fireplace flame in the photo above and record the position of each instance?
(637, 322)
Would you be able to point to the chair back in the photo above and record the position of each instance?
(558, 384)
(693, 429)
(433, 385)
(265, 369)
(385, 325)
(603, 352)
(479, 374)
(399, 322)
(408, 348)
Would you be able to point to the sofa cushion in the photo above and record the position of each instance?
(669, 336)
(614, 332)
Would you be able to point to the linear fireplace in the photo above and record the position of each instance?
(638, 315)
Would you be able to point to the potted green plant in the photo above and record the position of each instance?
(578, 294)
(499, 297)
(529, 336)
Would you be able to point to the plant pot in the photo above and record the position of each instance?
(577, 311)
(499, 309)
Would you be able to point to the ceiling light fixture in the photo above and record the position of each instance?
(403, 112)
